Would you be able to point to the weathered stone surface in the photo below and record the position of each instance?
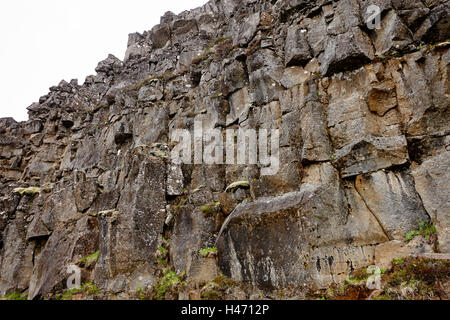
(421, 83)
(316, 143)
(245, 30)
(75, 239)
(265, 72)
(386, 252)
(394, 201)
(151, 93)
(16, 259)
(240, 103)
(279, 241)
(182, 29)
(175, 180)
(392, 35)
(364, 141)
(192, 233)
(346, 16)
(130, 235)
(346, 51)
(436, 26)
(160, 36)
(382, 98)
(85, 193)
(430, 179)
(297, 49)
(235, 76)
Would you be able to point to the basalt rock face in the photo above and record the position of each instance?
(364, 124)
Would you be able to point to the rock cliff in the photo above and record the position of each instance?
(364, 121)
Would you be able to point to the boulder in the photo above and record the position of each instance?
(297, 49)
(347, 51)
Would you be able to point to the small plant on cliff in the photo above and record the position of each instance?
(425, 229)
(162, 262)
(211, 292)
(90, 260)
(167, 283)
(87, 289)
(411, 235)
(180, 205)
(208, 251)
(397, 262)
(200, 188)
(140, 293)
(207, 210)
(163, 250)
(14, 296)
(416, 278)
(210, 209)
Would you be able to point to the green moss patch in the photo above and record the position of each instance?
(208, 251)
(90, 260)
(87, 289)
(425, 229)
(14, 296)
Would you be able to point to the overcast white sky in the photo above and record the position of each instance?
(45, 41)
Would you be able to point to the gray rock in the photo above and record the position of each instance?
(256, 243)
(130, 235)
(346, 51)
(160, 36)
(392, 35)
(16, 263)
(430, 177)
(346, 17)
(297, 50)
(436, 26)
(266, 70)
(235, 76)
(245, 30)
(316, 143)
(363, 141)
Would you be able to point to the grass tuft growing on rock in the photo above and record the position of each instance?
(14, 296)
(87, 289)
(411, 278)
(425, 229)
(90, 260)
(208, 251)
(168, 283)
(210, 209)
